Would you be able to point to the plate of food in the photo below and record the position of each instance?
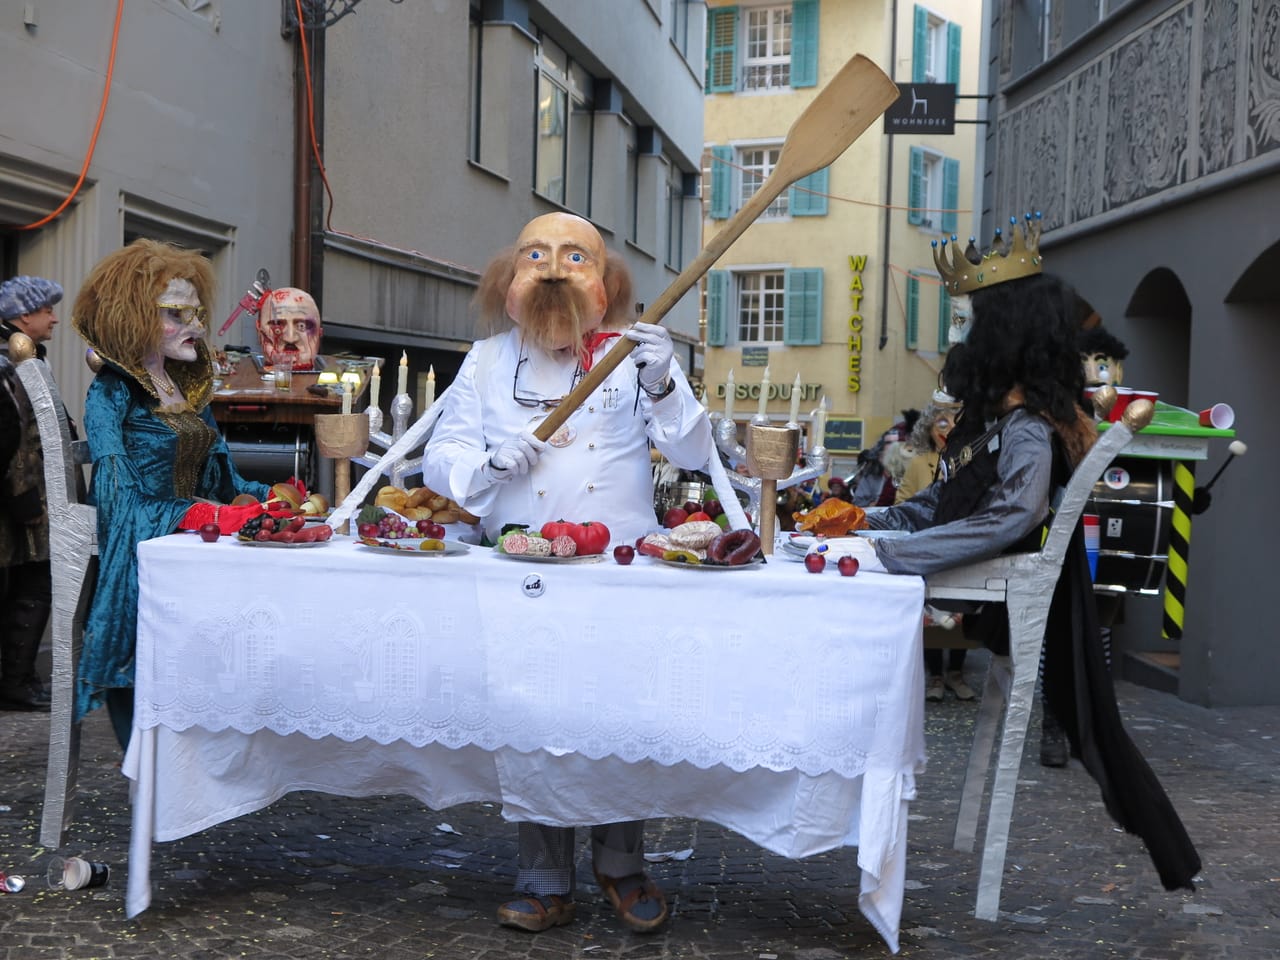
(549, 558)
(428, 547)
(290, 544)
(688, 561)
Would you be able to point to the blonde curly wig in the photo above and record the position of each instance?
(115, 310)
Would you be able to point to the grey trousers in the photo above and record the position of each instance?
(545, 862)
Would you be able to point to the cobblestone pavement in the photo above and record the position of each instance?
(316, 876)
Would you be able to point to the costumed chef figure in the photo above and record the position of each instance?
(554, 302)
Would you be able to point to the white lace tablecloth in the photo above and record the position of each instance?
(782, 704)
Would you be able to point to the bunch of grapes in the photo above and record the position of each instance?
(251, 527)
(394, 527)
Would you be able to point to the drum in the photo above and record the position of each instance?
(1134, 501)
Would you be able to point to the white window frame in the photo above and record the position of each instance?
(933, 175)
(936, 50)
(750, 174)
(769, 67)
(747, 285)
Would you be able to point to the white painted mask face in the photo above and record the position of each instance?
(961, 319)
(182, 320)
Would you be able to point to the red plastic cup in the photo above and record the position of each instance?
(1220, 416)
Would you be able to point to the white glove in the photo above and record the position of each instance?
(860, 548)
(652, 356)
(515, 457)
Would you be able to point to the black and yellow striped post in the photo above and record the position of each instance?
(1175, 581)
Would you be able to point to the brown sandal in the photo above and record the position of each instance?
(536, 914)
(640, 889)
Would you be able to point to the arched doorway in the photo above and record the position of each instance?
(1158, 334)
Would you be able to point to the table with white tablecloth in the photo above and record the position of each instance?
(778, 703)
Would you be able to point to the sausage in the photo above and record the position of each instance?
(733, 547)
(563, 546)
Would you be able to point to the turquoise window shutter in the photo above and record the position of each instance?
(721, 182)
(804, 43)
(944, 320)
(953, 53)
(722, 50)
(913, 311)
(717, 307)
(803, 324)
(919, 45)
(950, 194)
(915, 187)
(809, 195)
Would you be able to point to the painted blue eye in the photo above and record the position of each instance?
(535, 254)
(577, 258)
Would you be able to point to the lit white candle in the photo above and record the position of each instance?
(794, 415)
(402, 385)
(348, 391)
(820, 423)
(431, 386)
(729, 390)
(375, 385)
(764, 392)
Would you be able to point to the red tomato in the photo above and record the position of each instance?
(591, 537)
(558, 528)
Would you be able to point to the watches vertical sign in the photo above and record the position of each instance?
(857, 263)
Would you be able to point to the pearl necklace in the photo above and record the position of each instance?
(168, 386)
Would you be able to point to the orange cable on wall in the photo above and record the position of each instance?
(93, 140)
(311, 113)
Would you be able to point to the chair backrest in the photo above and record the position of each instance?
(1076, 493)
(63, 457)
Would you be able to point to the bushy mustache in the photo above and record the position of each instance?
(552, 314)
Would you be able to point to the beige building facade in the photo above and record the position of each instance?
(835, 283)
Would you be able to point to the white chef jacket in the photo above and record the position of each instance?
(604, 474)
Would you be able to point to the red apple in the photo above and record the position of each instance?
(692, 506)
(815, 562)
(697, 515)
(368, 530)
(624, 553)
(674, 517)
(431, 529)
(210, 532)
(848, 566)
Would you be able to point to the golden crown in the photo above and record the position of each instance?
(1009, 258)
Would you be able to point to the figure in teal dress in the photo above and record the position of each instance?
(160, 463)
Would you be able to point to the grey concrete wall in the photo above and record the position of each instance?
(396, 129)
(197, 139)
(1229, 654)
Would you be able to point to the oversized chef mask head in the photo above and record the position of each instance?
(557, 284)
(289, 327)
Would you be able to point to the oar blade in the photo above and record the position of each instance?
(852, 100)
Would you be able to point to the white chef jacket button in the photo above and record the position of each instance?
(591, 445)
(542, 493)
(590, 487)
(591, 409)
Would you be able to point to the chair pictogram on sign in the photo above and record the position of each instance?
(918, 102)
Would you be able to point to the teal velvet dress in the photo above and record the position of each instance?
(149, 467)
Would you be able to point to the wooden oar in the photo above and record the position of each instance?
(843, 109)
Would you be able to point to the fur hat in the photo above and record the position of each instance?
(24, 294)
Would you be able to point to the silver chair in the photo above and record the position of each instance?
(1024, 582)
(73, 549)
